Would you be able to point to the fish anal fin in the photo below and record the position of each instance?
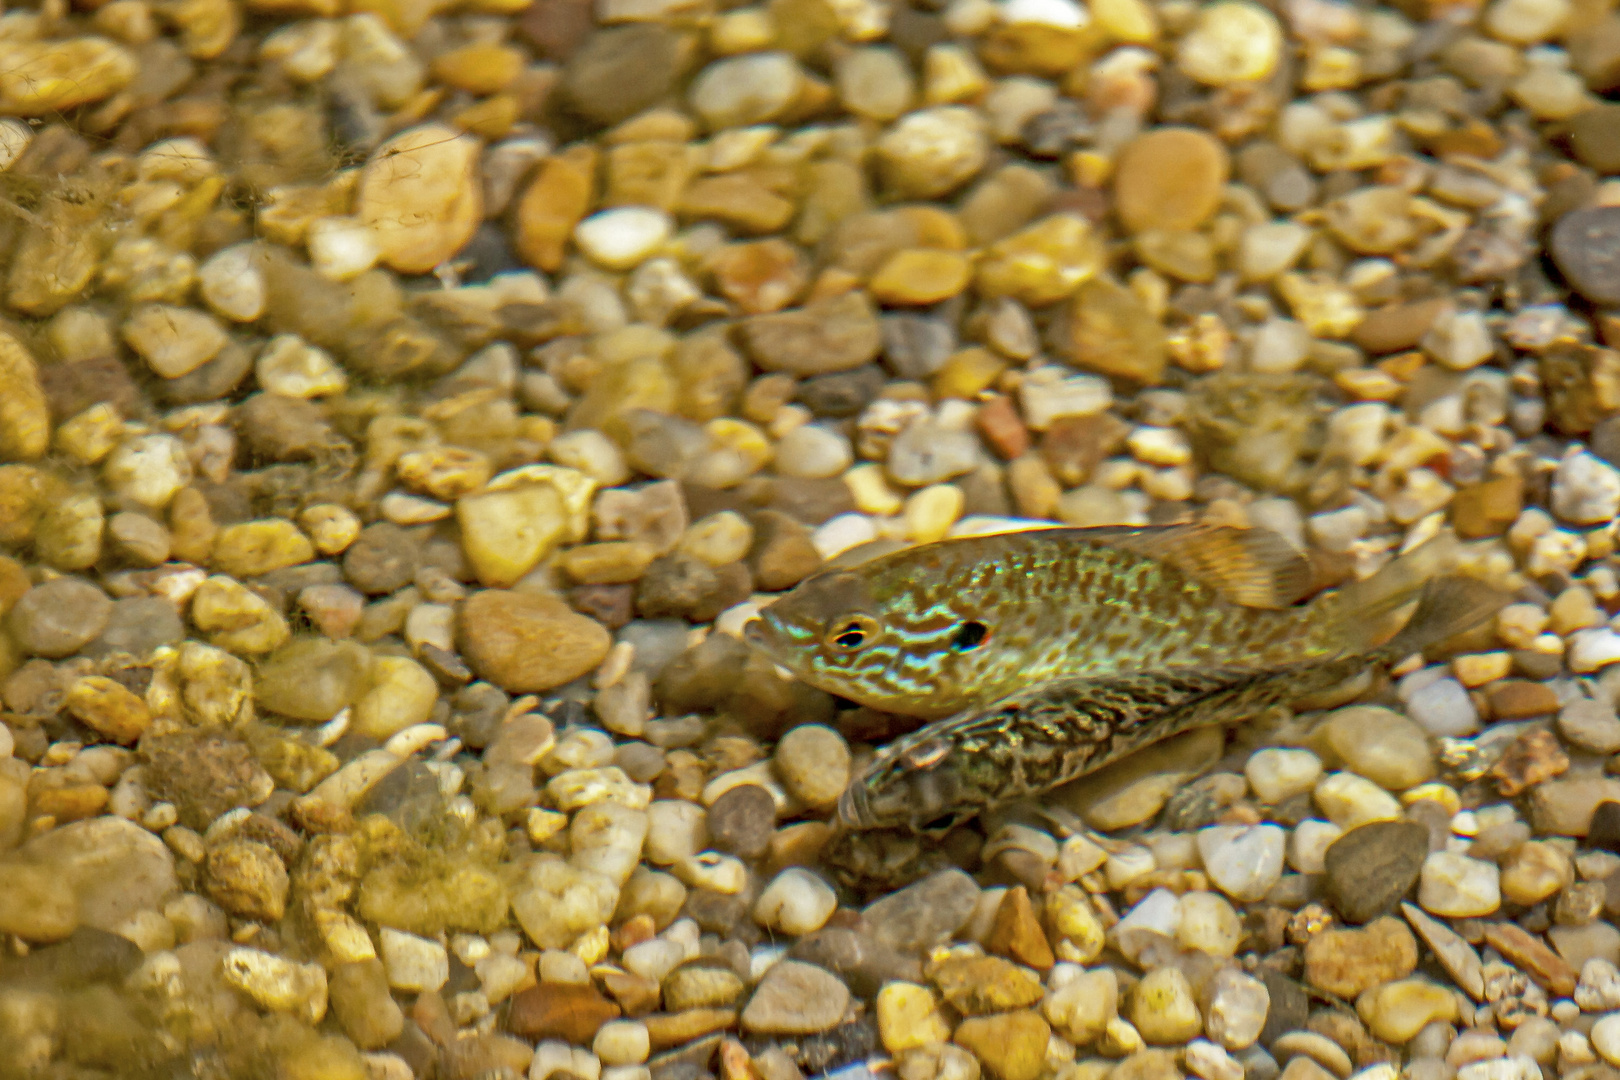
(1255, 568)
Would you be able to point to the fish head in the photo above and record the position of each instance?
(925, 782)
(830, 632)
(910, 634)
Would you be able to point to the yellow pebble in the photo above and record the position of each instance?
(920, 276)
(931, 511)
(908, 1016)
(871, 491)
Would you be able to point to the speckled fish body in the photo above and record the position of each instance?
(963, 622)
(1058, 731)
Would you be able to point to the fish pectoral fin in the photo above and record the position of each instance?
(1255, 568)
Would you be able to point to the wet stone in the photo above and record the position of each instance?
(58, 618)
(795, 998)
(1371, 868)
(741, 821)
(1586, 246)
(382, 559)
(203, 775)
(923, 914)
(528, 642)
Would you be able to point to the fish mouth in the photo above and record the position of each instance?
(761, 635)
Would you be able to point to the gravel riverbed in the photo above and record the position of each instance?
(405, 403)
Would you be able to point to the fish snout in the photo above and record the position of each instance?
(757, 632)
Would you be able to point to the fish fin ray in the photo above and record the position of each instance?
(1448, 606)
(1254, 568)
(1359, 613)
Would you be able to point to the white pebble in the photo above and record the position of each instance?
(1457, 886)
(1444, 708)
(1244, 861)
(1605, 1038)
(620, 238)
(795, 902)
(413, 963)
(231, 283)
(1307, 848)
(1276, 774)
(622, 1042)
(341, 248)
(292, 367)
(1585, 489)
(842, 533)
(1349, 800)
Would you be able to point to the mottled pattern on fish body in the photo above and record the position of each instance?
(1056, 732)
(968, 621)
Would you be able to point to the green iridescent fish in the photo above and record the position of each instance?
(1047, 653)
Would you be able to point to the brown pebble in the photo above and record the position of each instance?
(1531, 758)
(1002, 428)
(1169, 178)
(741, 821)
(1017, 933)
(1520, 699)
(529, 642)
(560, 1011)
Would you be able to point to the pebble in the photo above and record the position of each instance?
(1396, 1011)
(624, 237)
(932, 152)
(1232, 42)
(811, 450)
(739, 91)
(1171, 177)
(795, 998)
(1372, 867)
(923, 914)
(1585, 489)
(1457, 886)
(1243, 861)
(1276, 774)
(1583, 244)
(529, 642)
(741, 820)
(837, 334)
(1011, 1045)
(1346, 962)
(814, 764)
(58, 618)
(1162, 1008)
(114, 868)
(1605, 1037)
(908, 1017)
(1238, 1007)
(232, 284)
(421, 196)
(174, 341)
(277, 984)
(1443, 707)
(1381, 745)
(795, 902)
(44, 77)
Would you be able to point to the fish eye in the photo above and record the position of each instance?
(851, 633)
(970, 635)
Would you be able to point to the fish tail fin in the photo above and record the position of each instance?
(1449, 603)
(1447, 606)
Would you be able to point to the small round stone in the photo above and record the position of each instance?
(624, 237)
(1244, 861)
(1171, 177)
(529, 642)
(813, 762)
(795, 902)
(743, 90)
(741, 821)
(932, 152)
(1233, 41)
(58, 618)
(813, 451)
(1586, 246)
